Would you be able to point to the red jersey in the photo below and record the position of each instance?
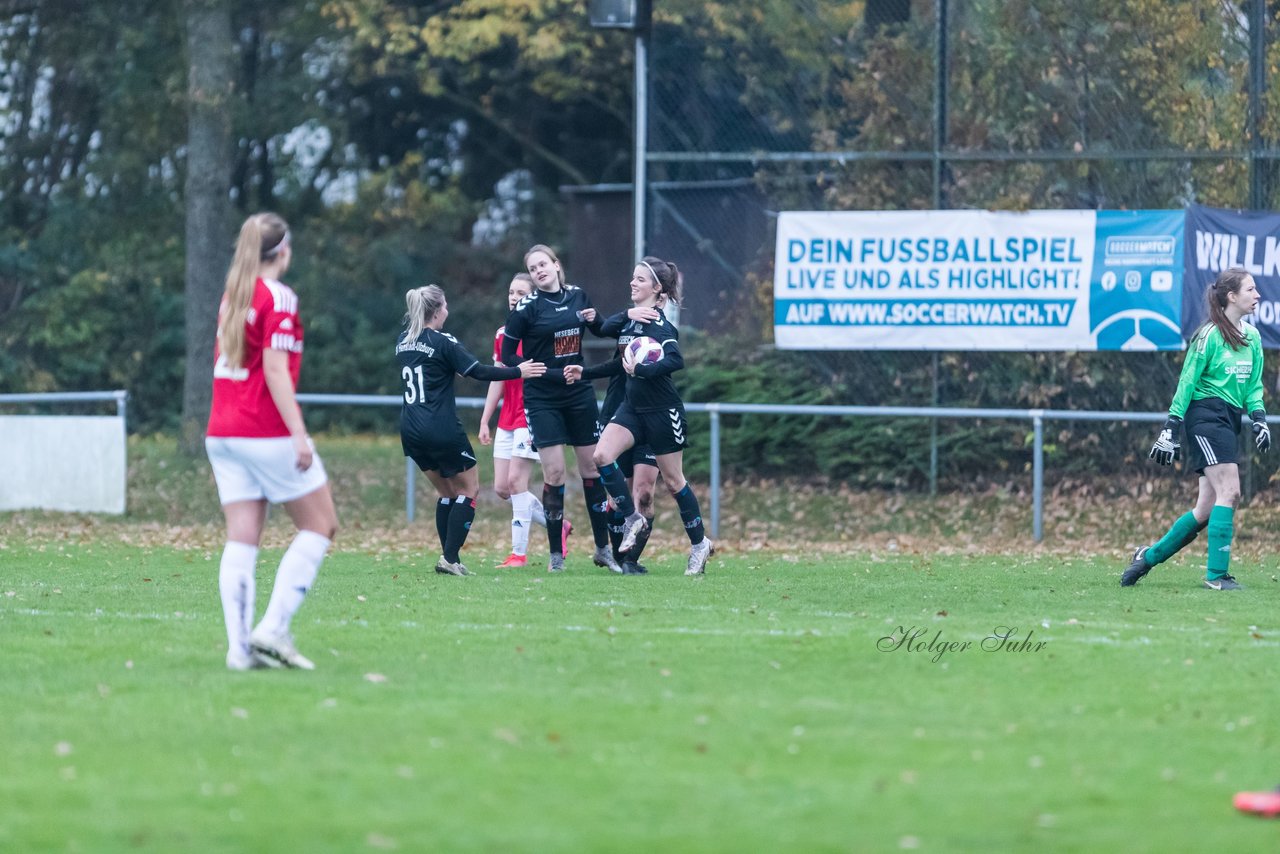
(512, 414)
(242, 404)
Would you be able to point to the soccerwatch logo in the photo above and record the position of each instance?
(1140, 250)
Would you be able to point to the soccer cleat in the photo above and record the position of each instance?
(699, 554)
(248, 660)
(1265, 804)
(280, 648)
(444, 567)
(630, 567)
(555, 563)
(565, 530)
(604, 557)
(631, 531)
(1138, 567)
(1224, 582)
(514, 560)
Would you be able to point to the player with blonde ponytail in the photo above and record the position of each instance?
(260, 450)
(430, 433)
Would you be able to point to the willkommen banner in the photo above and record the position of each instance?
(1218, 240)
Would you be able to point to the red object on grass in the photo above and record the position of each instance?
(1265, 804)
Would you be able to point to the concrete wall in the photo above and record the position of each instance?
(71, 463)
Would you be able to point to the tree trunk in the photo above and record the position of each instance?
(210, 82)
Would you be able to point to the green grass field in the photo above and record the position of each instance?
(771, 706)
(756, 709)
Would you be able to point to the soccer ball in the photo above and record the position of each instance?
(643, 351)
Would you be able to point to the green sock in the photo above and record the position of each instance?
(1182, 532)
(1220, 531)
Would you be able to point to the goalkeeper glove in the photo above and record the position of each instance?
(1166, 448)
(1261, 432)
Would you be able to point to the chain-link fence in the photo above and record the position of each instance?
(960, 104)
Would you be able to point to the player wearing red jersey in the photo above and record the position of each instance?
(513, 451)
(259, 447)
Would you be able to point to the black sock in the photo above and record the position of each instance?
(616, 484)
(615, 532)
(553, 509)
(642, 540)
(597, 509)
(442, 519)
(691, 515)
(460, 517)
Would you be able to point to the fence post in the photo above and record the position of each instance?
(714, 409)
(933, 435)
(408, 488)
(1037, 476)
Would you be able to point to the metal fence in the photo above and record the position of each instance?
(120, 398)
(1037, 417)
(910, 104)
(944, 104)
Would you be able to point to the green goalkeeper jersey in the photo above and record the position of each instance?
(1214, 369)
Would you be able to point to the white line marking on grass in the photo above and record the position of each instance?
(1191, 630)
(98, 614)
(654, 630)
(637, 628)
(1106, 640)
(480, 627)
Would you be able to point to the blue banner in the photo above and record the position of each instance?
(1220, 239)
(1135, 297)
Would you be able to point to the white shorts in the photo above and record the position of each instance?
(513, 443)
(252, 469)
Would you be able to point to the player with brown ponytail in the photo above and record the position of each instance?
(1221, 380)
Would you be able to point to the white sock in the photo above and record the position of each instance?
(520, 521)
(294, 578)
(536, 513)
(236, 584)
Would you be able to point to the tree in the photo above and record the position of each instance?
(90, 189)
(209, 91)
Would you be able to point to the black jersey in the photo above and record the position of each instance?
(427, 368)
(617, 390)
(650, 388)
(549, 327)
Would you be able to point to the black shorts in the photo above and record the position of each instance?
(1213, 433)
(636, 455)
(577, 424)
(449, 453)
(663, 431)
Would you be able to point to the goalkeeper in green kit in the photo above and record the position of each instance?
(1221, 379)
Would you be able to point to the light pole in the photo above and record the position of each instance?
(633, 15)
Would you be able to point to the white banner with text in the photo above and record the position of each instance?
(978, 280)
